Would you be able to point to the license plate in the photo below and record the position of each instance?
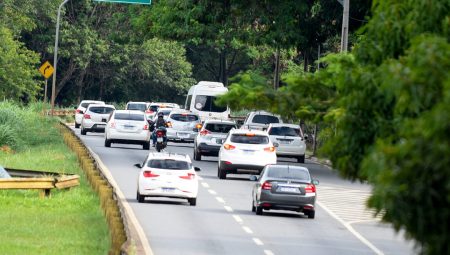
(219, 141)
(288, 189)
(159, 139)
(248, 152)
(183, 135)
(128, 127)
(284, 142)
(168, 190)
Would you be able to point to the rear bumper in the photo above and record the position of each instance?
(232, 168)
(208, 150)
(286, 201)
(138, 138)
(181, 136)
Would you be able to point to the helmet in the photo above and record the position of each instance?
(160, 114)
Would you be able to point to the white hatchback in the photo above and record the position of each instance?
(130, 127)
(167, 175)
(244, 150)
(81, 108)
(290, 139)
(95, 118)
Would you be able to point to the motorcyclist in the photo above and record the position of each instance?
(158, 123)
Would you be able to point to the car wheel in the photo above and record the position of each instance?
(192, 201)
(253, 206)
(311, 214)
(146, 146)
(197, 155)
(222, 174)
(259, 210)
(77, 125)
(301, 159)
(107, 143)
(140, 198)
(83, 131)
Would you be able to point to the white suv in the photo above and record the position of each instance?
(210, 138)
(129, 127)
(139, 106)
(260, 120)
(95, 118)
(167, 175)
(245, 149)
(290, 139)
(81, 108)
(183, 126)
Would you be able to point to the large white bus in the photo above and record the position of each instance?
(201, 100)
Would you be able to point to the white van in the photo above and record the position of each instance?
(201, 98)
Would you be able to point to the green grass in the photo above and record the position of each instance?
(70, 221)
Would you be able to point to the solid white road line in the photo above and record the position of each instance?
(247, 230)
(220, 200)
(212, 192)
(227, 208)
(257, 241)
(352, 230)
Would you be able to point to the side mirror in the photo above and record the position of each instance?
(315, 182)
(81, 112)
(197, 169)
(138, 165)
(253, 178)
(276, 145)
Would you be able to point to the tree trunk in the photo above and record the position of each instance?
(223, 68)
(305, 60)
(79, 83)
(67, 76)
(276, 76)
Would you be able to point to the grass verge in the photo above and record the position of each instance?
(70, 221)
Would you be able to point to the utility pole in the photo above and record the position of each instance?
(345, 16)
(55, 56)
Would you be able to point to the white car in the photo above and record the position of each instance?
(165, 111)
(139, 106)
(245, 149)
(260, 120)
(290, 139)
(81, 108)
(154, 107)
(129, 127)
(183, 126)
(95, 118)
(167, 175)
(210, 137)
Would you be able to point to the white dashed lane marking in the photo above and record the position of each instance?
(220, 200)
(257, 241)
(247, 230)
(268, 252)
(237, 218)
(227, 208)
(212, 192)
(205, 185)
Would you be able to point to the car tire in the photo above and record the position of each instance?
(311, 214)
(192, 201)
(83, 131)
(221, 173)
(301, 159)
(253, 206)
(197, 155)
(140, 198)
(259, 210)
(107, 143)
(77, 125)
(146, 146)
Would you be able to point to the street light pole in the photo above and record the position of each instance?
(55, 55)
(344, 35)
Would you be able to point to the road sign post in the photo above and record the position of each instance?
(46, 70)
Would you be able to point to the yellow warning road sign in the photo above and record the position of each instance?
(46, 69)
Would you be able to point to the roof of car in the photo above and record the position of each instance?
(263, 112)
(181, 111)
(129, 111)
(246, 131)
(168, 155)
(289, 166)
(92, 101)
(220, 121)
(101, 105)
(284, 125)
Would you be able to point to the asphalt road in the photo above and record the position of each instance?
(222, 221)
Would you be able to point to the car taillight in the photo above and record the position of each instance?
(189, 176)
(78, 111)
(205, 132)
(229, 146)
(112, 125)
(310, 188)
(266, 185)
(198, 126)
(145, 127)
(269, 149)
(149, 174)
(169, 124)
(149, 111)
(87, 116)
(159, 133)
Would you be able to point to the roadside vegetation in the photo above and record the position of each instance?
(70, 221)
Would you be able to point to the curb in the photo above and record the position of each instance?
(323, 162)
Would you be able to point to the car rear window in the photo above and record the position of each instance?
(284, 131)
(219, 127)
(287, 173)
(265, 119)
(101, 110)
(139, 107)
(249, 139)
(85, 105)
(165, 112)
(129, 116)
(184, 117)
(169, 164)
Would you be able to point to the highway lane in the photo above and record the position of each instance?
(222, 222)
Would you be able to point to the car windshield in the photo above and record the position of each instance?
(184, 117)
(249, 139)
(101, 110)
(153, 108)
(169, 164)
(129, 116)
(139, 107)
(289, 172)
(265, 119)
(207, 104)
(219, 127)
(284, 131)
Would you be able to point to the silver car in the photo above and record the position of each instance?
(210, 138)
(284, 187)
(95, 118)
(183, 126)
(290, 140)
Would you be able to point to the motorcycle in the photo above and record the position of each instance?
(161, 139)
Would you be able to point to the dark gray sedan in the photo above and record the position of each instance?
(285, 187)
